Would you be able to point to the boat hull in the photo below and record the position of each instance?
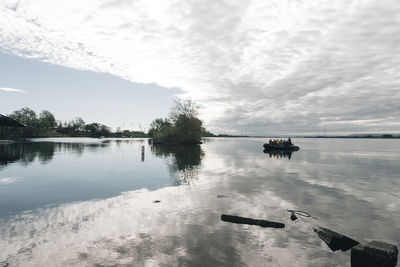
(268, 147)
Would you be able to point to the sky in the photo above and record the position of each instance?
(254, 67)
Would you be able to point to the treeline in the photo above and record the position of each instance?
(45, 125)
(182, 126)
(366, 136)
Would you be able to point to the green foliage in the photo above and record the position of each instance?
(160, 129)
(74, 127)
(188, 129)
(25, 116)
(97, 130)
(29, 118)
(46, 125)
(183, 127)
(47, 120)
(207, 133)
(77, 124)
(137, 134)
(35, 126)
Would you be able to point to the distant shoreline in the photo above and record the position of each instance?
(8, 141)
(382, 136)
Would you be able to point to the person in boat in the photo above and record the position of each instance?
(290, 141)
(270, 142)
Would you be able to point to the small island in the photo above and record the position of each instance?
(182, 127)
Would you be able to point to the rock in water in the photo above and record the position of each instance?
(335, 240)
(374, 254)
(293, 216)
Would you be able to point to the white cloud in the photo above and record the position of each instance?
(269, 67)
(12, 90)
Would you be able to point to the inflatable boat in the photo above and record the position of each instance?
(268, 147)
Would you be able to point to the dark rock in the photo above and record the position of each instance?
(242, 220)
(374, 254)
(293, 216)
(334, 240)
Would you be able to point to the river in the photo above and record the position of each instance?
(88, 202)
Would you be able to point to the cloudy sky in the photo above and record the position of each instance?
(255, 67)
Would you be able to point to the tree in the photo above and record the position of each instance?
(47, 120)
(25, 116)
(126, 133)
(188, 129)
(118, 133)
(74, 126)
(158, 125)
(93, 129)
(77, 124)
(183, 127)
(186, 108)
(29, 118)
(207, 133)
(97, 130)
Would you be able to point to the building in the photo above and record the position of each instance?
(10, 128)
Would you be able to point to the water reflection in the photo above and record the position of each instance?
(181, 226)
(65, 170)
(279, 154)
(26, 153)
(183, 161)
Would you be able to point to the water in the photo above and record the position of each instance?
(80, 202)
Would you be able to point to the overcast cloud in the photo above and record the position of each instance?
(266, 67)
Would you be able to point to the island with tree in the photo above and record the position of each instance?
(182, 127)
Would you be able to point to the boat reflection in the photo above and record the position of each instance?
(183, 161)
(279, 154)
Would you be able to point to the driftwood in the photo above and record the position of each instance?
(242, 220)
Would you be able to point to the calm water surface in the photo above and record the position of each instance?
(84, 202)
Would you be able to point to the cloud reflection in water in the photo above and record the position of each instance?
(185, 228)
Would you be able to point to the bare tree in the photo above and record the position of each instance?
(185, 108)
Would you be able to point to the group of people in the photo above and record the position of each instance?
(280, 142)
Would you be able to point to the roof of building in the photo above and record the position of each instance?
(6, 121)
